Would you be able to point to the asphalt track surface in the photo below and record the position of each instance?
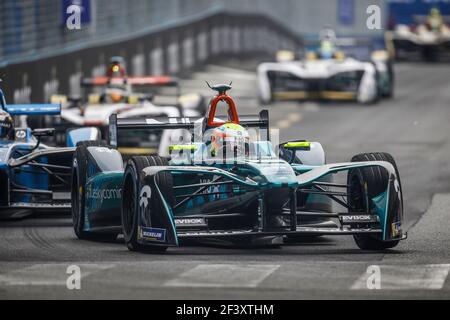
(414, 127)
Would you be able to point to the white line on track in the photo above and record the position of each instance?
(48, 274)
(223, 275)
(311, 107)
(431, 277)
(295, 117)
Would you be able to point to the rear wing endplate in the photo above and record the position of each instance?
(157, 81)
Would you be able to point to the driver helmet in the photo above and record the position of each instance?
(435, 19)
(327, 43)
(6, 126)
(230, 137)
(115, 95)
(116, 68)
(327, 49)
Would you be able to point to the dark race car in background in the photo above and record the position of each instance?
(33, 176)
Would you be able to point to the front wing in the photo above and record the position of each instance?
(388, 214)
(38, 181)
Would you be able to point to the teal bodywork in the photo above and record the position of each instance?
(103, 195)
(246, 185)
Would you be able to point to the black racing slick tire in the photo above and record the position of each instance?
(376, 99)
(78, 193)
(367, 183)
(132, 183)
(390, 94)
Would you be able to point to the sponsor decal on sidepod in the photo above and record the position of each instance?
(103, 194)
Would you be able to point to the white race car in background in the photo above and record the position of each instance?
(330, 76)
(114, 93)
(117, 97)
(429, 37)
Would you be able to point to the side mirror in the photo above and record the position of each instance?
(288, 150)
(297, 145)
(182, 154)
(39, 133)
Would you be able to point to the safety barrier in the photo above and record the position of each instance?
(166, 50)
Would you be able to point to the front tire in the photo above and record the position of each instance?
(133, 182)
(366, 183)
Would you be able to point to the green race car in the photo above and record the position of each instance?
(228, 185)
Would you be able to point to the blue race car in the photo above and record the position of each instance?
(228, 185)
(33, 176)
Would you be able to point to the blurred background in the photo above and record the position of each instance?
(39, 56)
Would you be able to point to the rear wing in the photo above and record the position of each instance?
(159, 81)
(29, 109)
(343, 42)
(360, 48)
(33, 109)
(419, 19)
(260, 121)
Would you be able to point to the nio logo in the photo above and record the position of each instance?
(145, 195)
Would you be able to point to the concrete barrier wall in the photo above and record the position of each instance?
(39, 56)
(168, 51)
(33, 29)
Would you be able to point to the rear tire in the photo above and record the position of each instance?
(391, 93)
(133, 182)
(375, 179)
(79, 174)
